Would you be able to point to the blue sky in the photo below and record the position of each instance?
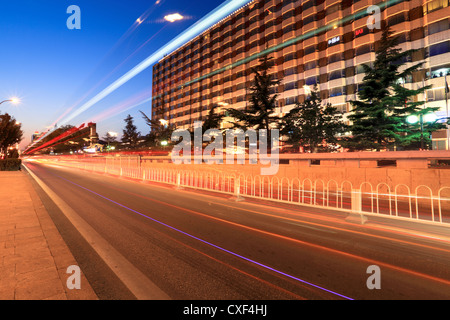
(51, 68)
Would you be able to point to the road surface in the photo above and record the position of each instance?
(143, 240)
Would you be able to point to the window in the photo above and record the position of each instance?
(363, 49)
(289, 57)
(434, 5)
(438, 26)
(439, 48)
(398, 18)
(240, 86)
(334, 8)
(335, 58)
(338, 91)
(289, 14)
(337, 74)
(310, 49)
(440, 71)
(309, 19)
(288, 29)
(311, 81)
(290, 86)
(308, 5)
(310, 65)
(436, 94)
(240, 98)
(290, 71)
(401, 38)
(291, 100)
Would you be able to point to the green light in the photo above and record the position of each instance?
(164, 143)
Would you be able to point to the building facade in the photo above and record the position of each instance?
(323, 42)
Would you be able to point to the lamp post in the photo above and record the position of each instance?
(421, 118)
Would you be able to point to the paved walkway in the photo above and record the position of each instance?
(33, 256)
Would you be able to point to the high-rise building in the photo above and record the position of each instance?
(323, 42)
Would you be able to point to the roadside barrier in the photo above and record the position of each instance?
(397, 201)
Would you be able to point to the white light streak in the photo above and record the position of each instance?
(173, 17)
(203, 24)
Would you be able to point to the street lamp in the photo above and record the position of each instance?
(13, 100)
(421, 118)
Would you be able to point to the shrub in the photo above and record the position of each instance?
(10, 164)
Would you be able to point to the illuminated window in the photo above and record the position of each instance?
(434, 5)
(440, 71)
(338, 91)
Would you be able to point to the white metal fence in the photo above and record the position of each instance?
(399, 201)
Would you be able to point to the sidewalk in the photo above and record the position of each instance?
(33, 256)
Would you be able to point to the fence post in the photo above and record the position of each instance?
(178, 184)
(356, 214)
(237, 190)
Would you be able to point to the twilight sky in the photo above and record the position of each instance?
(54, 70)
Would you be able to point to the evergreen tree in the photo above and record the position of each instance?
(312, 125)
(212, 120)
(10, 133)
(109, 139)
(260, 113)
(130, 133)
(160, 130)
(379, 115)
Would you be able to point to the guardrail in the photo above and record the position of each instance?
(419, 204)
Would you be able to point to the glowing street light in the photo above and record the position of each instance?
(12, 100)
(413, 119)
(164, 122)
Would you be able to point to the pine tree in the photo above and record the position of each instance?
(212, 120)
(379, 115)
(312, 125)
(260, 113)
(130, 133)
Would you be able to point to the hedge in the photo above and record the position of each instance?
(10, 164)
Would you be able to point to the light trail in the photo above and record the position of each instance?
(203, 24)
(317, 246)
(307, 35)
(129, 104)
(209, 243)
(126, 35)
(210, 19)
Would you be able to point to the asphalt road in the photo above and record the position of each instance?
(156, 241)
